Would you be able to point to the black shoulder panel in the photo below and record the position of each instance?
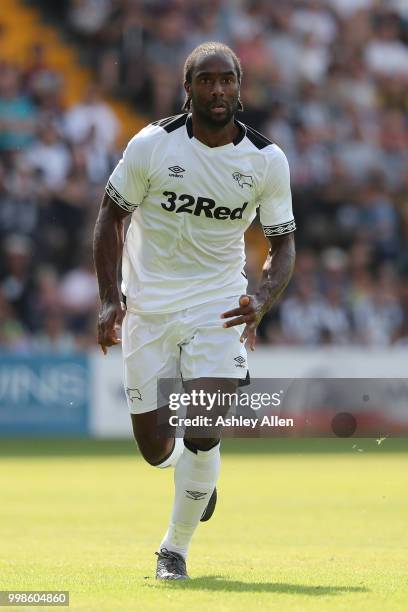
(172, 123)
(257, 139)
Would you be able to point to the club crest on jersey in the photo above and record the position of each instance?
(133, 394)
(243, 179)
(176, 171)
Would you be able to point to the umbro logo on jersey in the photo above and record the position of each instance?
(196, 495)
(243, 179)
(240, 361)
(176, 171)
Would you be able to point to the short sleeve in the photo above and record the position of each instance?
(128, 183)
(275, 201)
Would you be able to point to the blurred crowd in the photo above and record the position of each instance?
(327, 80)
(53, 168)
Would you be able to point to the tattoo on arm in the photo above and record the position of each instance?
(277, 270)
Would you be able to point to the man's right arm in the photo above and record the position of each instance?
(107, 248)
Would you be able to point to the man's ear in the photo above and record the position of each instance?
(187, 87)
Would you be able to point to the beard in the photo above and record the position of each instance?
(211, 120)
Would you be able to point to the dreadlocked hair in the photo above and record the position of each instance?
(209, 48)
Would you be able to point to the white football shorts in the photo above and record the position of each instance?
(188, 344)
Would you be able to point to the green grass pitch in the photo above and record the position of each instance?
(300, 525)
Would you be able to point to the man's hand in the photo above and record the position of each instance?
(250, 311)
(109, 323)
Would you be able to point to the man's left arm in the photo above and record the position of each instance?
(277, 220)
(276, 274)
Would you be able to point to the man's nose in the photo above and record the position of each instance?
(218, 89)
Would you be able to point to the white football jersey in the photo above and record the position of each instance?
(191, 205)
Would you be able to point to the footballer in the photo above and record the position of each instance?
(192, 185)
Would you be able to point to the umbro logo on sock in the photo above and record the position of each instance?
(196, 495)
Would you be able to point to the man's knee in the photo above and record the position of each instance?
(203, 444)
(155, 450)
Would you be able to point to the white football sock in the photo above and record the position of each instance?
(195, 478)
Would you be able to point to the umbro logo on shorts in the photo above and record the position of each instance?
(196, 495)
(176, 171)
(240, 361)
(243, 179)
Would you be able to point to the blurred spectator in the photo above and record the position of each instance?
(48, 291)
(394, 147)
(347, 8)
(286, 49)
(335, 325)
(49, 156)
(79, 295)
(209, 25)
(12, 334)
(65, 218)
(17, 113)
(359, 156)
(39, 79)
(165, 53)
(88, 16)
(350, 86)
(54, 338)
(385, 53)
(91, 118)
(19, 211)
(17, 284)
(313, 18)
(310, 164)
(378, 318)
(301, 314)
(315, 59)
(378, 219)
